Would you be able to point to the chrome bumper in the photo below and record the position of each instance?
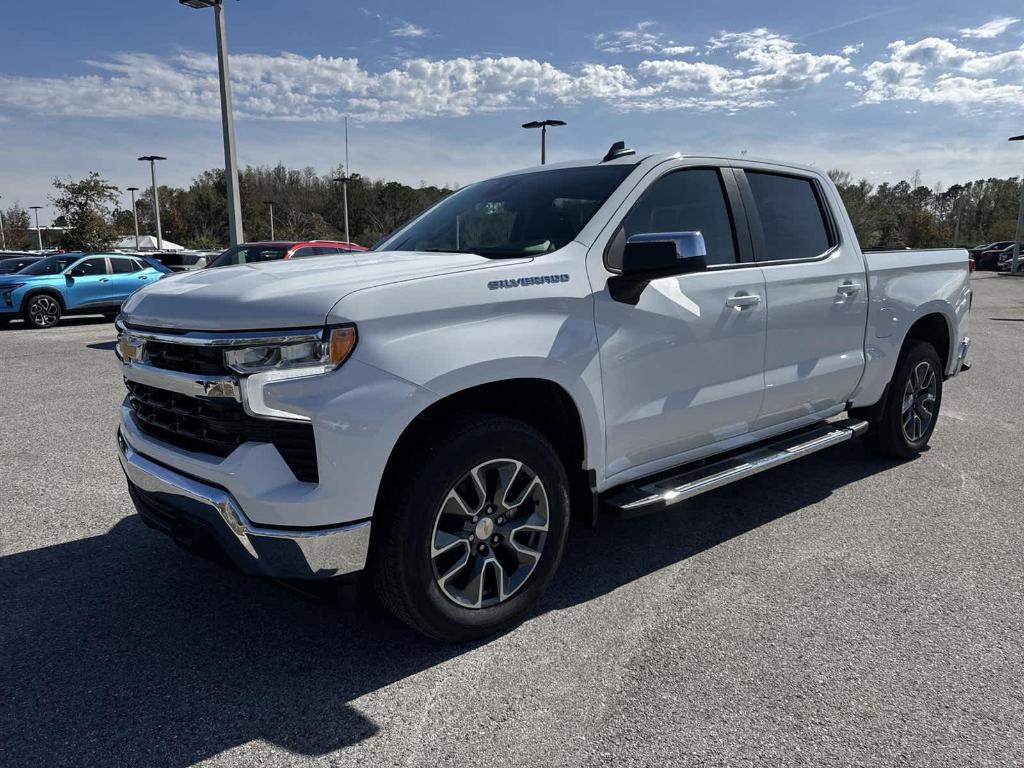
(192, 512)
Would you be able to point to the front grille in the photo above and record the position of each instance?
(187, 358)
(218, 426)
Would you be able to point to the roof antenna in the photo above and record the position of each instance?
(618, 149)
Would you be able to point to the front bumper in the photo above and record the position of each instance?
(208, 521)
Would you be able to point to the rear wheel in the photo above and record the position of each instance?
(473, 529)
(908, 416)
(42, 311)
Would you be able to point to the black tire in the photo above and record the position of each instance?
(42, 310)
(887, 434)
(403, 568)
(111, 316)
(4, 321)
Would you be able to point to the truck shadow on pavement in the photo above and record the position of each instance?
(119, 649)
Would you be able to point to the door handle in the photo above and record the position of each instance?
(741, 300)
(143, 277)
(104, 279)
(848, 289)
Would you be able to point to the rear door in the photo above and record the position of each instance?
(683, 368)
(127, 276)
(87, 284)
(816, 290)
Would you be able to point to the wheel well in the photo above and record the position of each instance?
(36, 291)
(542, 404)
(934, 329)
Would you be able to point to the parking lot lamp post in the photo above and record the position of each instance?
(135, 213)
(39, 232)
(1020, 220)
(270, 204)
(227, 119)
(344, 180)
(543, 125)
(151, 159)
(3, 238)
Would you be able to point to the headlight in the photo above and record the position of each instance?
(7, 290)
(304, 359)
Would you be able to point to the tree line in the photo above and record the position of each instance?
(308, 205)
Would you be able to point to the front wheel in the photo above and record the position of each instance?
(472, 530)
(911, 408)
(42, 311)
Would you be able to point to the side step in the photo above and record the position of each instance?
(646, 496)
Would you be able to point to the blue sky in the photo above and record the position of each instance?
(436, 91)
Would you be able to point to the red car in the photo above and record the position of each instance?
(252, 253)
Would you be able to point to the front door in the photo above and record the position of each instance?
(683, 368)
(88, 285)
(816, 287)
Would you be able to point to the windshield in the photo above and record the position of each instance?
(52, 265)
(522, 215)
(249, 254)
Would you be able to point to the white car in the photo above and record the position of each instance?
(628, 332)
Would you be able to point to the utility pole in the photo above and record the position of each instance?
(1020, 220)
(135, 213)
(39, 232)
(270, 204)
(962, 203)
(543, 125)
(151, 159)
(227, 119)
(344, 180)
(3, 237)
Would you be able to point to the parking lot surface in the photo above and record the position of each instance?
(840, 610)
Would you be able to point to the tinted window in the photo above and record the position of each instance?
(249, 254)
(325, 250)
(52, 265)
(684, 201)
(792, 220)
(90, 267)
(124, 266)
(522, 215)
(303, 253)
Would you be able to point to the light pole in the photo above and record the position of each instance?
(1020, 220)
(3, 237)
(135, 213)
(543, 125)
(39, 232)
(270, 204)
(344, 180)
(151, 159)
(227, 119)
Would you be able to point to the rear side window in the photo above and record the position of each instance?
(792, 217)
(683, 201)
(124, 266)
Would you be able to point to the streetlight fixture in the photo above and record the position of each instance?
(151, 159)
(543, 125)
(270, 204)
(227, 119)
(135, 213)
(39, 232)
(1020, 220)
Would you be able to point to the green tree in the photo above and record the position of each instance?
(16, 229)
(86, 207)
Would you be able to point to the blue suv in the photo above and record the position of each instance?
(73, 284)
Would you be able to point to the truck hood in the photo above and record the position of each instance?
(281, 294)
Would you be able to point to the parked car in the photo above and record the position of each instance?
(628, 332)
(1006, 260)
(14, 262)
(989, 258)
(178, 261)
(72, 284)
(254, 253)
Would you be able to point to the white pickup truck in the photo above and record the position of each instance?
(625, 333)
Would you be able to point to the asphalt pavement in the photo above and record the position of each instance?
(841, 611)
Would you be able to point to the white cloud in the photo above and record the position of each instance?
(938, 71)
(990, 29)
(408, 29)
(758, 69)
(851, 50)
(640, 39)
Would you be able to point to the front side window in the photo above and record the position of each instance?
(792, 218)
(90, 268)
(526, 214)
(682, 201)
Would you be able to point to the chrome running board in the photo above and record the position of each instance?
(646, 496)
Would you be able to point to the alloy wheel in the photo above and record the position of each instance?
(489, 533)
(919, 401)
(44, 311)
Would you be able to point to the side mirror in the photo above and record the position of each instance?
(77, 272)
(647, 257)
